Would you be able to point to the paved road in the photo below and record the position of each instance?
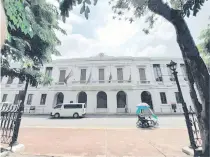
(99, 122)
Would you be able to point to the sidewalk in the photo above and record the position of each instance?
(103, 142)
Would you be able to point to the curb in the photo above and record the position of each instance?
(15, 149)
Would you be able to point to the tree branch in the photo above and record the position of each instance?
(160, 8)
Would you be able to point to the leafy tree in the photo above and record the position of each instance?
(31, 38)
(174, 12)
(204, 46)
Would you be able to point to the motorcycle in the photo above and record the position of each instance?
(146, 117)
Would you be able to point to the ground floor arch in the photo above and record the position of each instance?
(121, 99)
(101, 100)
(82, 97)
(59, 98)
(146, 97)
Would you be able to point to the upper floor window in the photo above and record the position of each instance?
(101, 76)
(4, 98)
(43, 99)
(62, 75)
(29, 100)
(178, 97)
(83, 76)
(184, 72)
(142, 74)
(163, 98)
(10, 80)
(171, 76)
(120, 75)
(16, 99)
(158, 73)
(48, 71)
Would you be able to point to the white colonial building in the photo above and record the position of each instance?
(107, 84)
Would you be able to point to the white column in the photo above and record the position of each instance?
(112, 101)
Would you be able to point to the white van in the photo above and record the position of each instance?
(74, 110)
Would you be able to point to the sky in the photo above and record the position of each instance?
(102, 34)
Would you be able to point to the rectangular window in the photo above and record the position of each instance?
(120, 75)
(163, 98)
(48, 71)
(62, 75)
(171, 76)
(83, 76)
(4, 98)
(184, 72)
(10, 80)
(101, 75)
(29, 100)
(142, 74)
(20, 82)
(16, 99)
(178, 97)
(158, 73)
(72, 106)
(43, 99)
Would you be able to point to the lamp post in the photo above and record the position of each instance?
(172, 67)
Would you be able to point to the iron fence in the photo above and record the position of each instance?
(9, 118)
(195, 128)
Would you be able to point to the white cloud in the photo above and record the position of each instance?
(150, 51)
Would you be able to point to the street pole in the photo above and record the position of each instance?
(186, 113)
(19, 116)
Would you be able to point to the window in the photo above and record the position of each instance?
(101, 75)
(83, 76)
(120, 75)
(72, 106)
(178, 97)
(2, 77)
(29, 100)
(58, 106)
(16, 99)
(142, 74)
(20, 82)
(163, 97)
(184, 72)
(4, 98)
(43, 99)
(158, 73)
(48, 71)
(171, 76)
(10, 80)
(62, 75)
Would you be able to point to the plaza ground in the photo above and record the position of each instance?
(102, 136)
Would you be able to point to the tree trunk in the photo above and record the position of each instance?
(196, 69)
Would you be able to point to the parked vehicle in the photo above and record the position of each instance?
(74, 110)
(146, 117)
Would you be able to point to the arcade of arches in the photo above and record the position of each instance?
(102, 99)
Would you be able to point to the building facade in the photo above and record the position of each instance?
(106, 84)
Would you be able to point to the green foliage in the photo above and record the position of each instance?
(32, 38)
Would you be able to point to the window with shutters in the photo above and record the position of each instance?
(43, 99)
(184, 72)
(83, 76)
(29, 100)
(163, 98)
(4, 98)
(142, 75)
(10, 80)
(48, 71)
(120, 75)
(62, 76)
(178, 97)
(157, 72)
(16, 99)
(101, 75)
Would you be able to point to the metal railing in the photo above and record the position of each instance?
(9, 118)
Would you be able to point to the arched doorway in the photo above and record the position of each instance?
(121, 99)
(147, 98)
(82, 97)
(101, 100)
(59, 97)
